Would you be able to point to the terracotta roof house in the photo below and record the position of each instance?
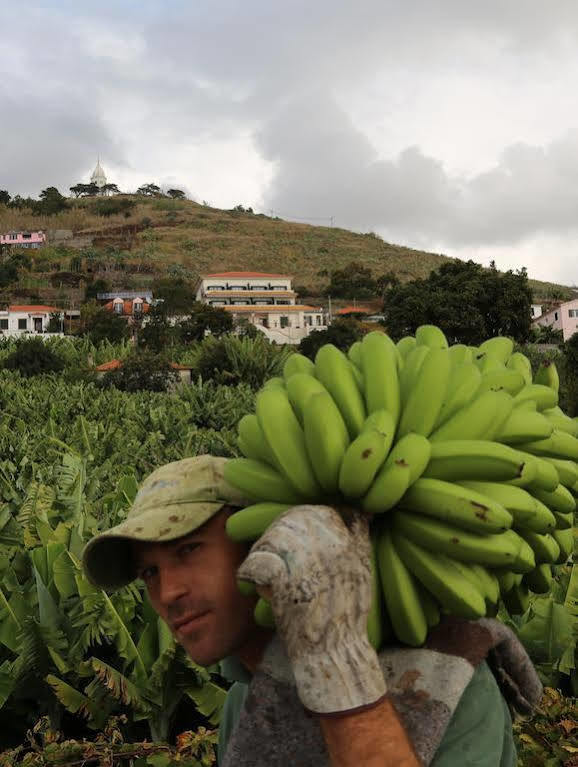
(185, 371)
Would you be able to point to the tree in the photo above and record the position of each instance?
(176, 194)
(110, 189)
(143, 370)
(84, 190)
(354, 281)
(176, 293)
(149, 190)
(51, 202)
(33, 356)
(8, 274)
(341, 333)
(157, 334)
(93, 288)
(55, 323)
(4, 197)
(468, 302)
(100, 324)
(204, 319)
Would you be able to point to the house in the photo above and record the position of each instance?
(130, 308)
(185, 371)
(22, 319)
(144, 293)
(352, 311)
(263, 299)
(563, 317)
(535, 311)
(23, 239)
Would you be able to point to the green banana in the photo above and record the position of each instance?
(252, 441)
(363, 459)
(502, 379)
(259, 481)
(543, 396)
(488, 581)
(522, 426)
(456, 505)
(462, 388)
(522, 364)
(539, 580)
(560, 499)
(354, 354)
(432, 336)
(477, 459)
(494, 550)
(517, 599)
(297, 363)
(558, 445)
(427, 395)
(545, 475)
(468, 572)
(380, 374)
(400, 593)
(547, 375)
(251, 522)
(563, 521)
(440, 576)
(565, 540)
(378, 623)
(246, 588)
(410, 371)
(505, 578)
(274, 383)
(460, 354)
(286, 439)
(481, 419)
(544, 546)
(567, 471)
(405, 345)
(526, 510)
(405, 463)
(382, 421)
(263, 614)
(358, 376)
(326, 439)
(430, 607)
(301, 386)
(500, 347)
(563, 423)
(333, 370)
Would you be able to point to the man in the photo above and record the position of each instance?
(315, 692)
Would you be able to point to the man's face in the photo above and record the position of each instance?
(191, 583)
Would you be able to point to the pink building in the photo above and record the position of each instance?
(563, 317)
(23, 239)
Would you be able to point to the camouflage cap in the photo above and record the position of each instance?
(172, 501)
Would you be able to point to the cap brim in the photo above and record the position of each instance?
(108, 559)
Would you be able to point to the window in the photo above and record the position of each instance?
(118, 307)
(259, 287)
(22, 324)
(13, 236)
(26, 236)
(309, 320)
(318, 319)
(4, 324)
(283, 302)
(572, 312)
(215, 287)
(284, 322)
(137, 307)
(555, 316)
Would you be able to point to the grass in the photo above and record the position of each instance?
(205, 239)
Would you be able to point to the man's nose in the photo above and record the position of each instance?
(172, 585)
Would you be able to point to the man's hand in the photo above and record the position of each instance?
(316, 573)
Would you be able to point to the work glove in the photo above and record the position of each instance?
(316, 572)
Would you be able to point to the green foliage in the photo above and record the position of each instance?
(341, 333)
(204, 319)
(32, 357)
(8, 274)
(111, 206)
(143, 370)
(99, 324)
(177, 295)
(50, 203)
(232, 360)
(570, 354)
(549, 738)
(469, 303)
(353, 281)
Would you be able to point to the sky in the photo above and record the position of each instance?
(446, 126)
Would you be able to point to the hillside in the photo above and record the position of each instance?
(163, 232)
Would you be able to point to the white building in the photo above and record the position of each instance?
(265, 300)
(535, 311)
(27, 319)
(98, 177)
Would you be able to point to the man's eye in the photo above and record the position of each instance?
(187, 548)
(147, 573)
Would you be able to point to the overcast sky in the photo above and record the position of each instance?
(446, 125)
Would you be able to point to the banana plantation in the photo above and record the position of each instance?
(89, 678)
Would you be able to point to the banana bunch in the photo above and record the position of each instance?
(461, 457)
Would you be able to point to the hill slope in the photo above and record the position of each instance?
(204, 239)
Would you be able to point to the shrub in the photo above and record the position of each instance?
(341, 333)
(143, 371)
(110, 206)
(32, 357)
(231, 360)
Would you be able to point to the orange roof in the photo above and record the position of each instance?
(245, 274)
(353, 310)
(279, 309)
(127, 305)
(116, 364)
(33, 308)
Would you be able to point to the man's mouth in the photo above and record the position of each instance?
(187, 623)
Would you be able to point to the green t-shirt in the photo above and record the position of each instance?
(478, 735)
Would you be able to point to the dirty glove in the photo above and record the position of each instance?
(316, 573)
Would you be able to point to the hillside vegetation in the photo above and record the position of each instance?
(204, 239)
